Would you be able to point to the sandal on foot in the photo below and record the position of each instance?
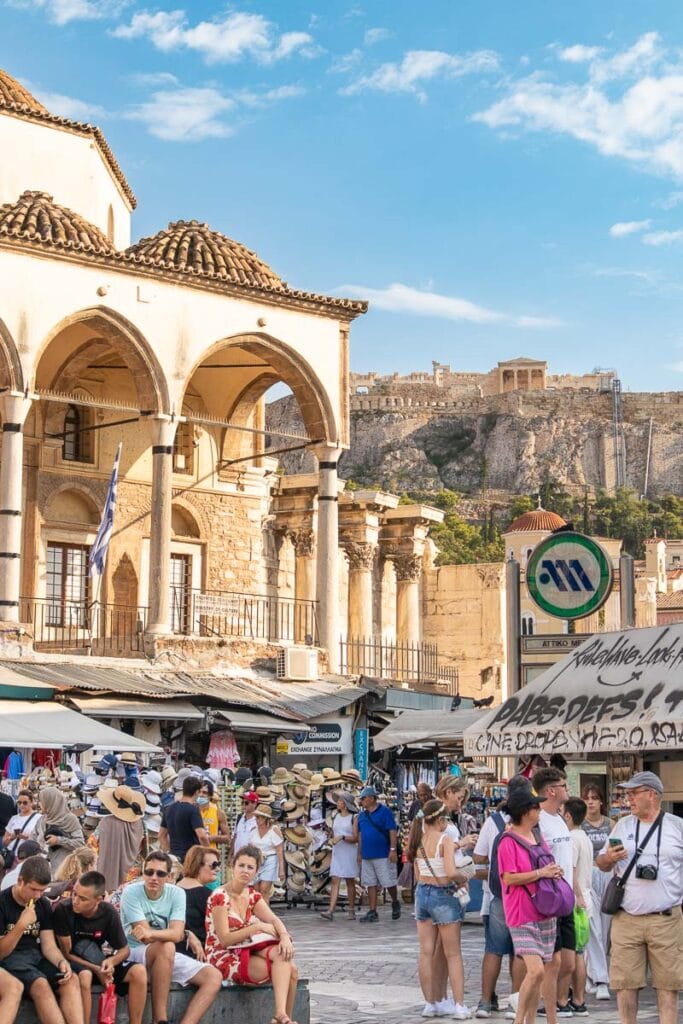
(327, 915)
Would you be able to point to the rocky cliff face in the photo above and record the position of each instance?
(507, 442)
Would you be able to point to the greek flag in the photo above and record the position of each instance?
(98, 552)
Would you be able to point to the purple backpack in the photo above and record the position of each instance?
(554, 896)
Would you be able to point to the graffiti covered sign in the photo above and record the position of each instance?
(617, 691)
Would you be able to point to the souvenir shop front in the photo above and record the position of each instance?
(613, 706)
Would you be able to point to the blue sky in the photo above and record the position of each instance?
(497, 179)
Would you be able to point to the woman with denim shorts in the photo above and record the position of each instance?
(438, 876)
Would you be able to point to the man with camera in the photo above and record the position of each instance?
(647, 931)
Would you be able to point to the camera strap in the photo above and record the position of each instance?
(657, 824)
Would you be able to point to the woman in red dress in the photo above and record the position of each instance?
(246, 941)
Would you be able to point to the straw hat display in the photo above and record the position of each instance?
(352, 777)
(331, 777)
(298, 792)
(264, 795)
(281, 777)
(322, 866)
(123, 802)
(296, 859)
(298, 835)
(317, 781)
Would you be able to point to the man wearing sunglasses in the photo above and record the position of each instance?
(153, 916)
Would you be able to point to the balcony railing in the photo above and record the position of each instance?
(225, 613)
(80, 627)
(400, 660)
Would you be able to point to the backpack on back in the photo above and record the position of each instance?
(494, 872)
(553, 897)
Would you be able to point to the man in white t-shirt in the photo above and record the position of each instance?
(551, 784)
(648, 930)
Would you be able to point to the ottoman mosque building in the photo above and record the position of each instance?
(168, 345)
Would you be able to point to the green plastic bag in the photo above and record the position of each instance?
(581, 927)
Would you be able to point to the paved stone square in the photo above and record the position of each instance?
(367, 974)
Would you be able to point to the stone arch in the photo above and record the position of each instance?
(291, 368)
(11, 373)
(237, 444)
(184, 521)
(113, 331)
(72, 504)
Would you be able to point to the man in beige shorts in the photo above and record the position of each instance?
(648, 930)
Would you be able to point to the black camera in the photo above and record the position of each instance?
(648, 872)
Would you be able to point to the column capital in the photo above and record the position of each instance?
(163, 430)
(15, 407)
(361, 556)
(408, 566)
(326, 452)
(303, 542)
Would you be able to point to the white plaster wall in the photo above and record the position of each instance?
(70, 167)
(179, 323)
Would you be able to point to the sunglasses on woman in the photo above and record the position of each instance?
(213, 866)
(151, 872)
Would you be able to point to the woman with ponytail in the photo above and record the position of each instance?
(439, 872)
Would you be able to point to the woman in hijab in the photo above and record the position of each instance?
(120, 833)
(59, 830)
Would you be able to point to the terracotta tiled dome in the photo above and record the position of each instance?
(536, 520)
(12, 94)
(192, 247)
(35, 217)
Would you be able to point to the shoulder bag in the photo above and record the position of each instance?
(613, 896)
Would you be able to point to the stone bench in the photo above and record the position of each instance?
(233, 1005)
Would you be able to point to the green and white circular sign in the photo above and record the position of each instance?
(569, 575)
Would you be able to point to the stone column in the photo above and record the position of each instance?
(408, 570)
(328, 553)
(303, 542)
(14, 409)
(361, 560)
(163, 432)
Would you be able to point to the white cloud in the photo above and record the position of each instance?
(283, 92)
(579, 54)
(375, 35)
(642, 276)
(640, 121)
(235, 36)
(671, 201)
(628, 227)
(61, 12)
(678, 367)
(185, 115)
(68, 106)
(152, 78)
(421, 66)
(658, 238)
(401, 298)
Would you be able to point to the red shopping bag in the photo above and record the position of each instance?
(106, 1011)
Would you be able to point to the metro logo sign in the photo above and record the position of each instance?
(569, 575)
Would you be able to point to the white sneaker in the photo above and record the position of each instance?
(510, 1014)
(430, 1010)
(446, 1007)
(461, 1012)
(513, 1000)
(602, 992)
(590, 987)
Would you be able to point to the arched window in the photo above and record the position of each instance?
(77, 445)
(527, 625)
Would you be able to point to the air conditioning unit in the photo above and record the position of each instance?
(297, 663)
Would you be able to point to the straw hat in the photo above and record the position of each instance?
(297, 883)
(352, 775)
(281, 777)
(296, 859)
(264, 795)
(128, 758)
(297, 835)
(303, 775)
(301, 766)
(321, 883)
(168, 775)
(317, 781)
(331, 777)
(322, 866)
(298, 792)
(123, 802)
(264, 811)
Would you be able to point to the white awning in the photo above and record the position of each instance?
(415, 727)
(123, 707)
(616, 692)
(256, 721)
(42, 724)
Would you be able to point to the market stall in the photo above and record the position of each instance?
(617, 699)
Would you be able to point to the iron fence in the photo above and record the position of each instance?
(82, 627)
(224, 613)
(403, 661)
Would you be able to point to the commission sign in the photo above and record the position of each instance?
(569, 575)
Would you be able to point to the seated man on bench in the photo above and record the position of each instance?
(153, 915)
(83, 925)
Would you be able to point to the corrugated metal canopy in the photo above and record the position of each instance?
(127, 707)
(257, 721)
(290, 699)
(27, 724)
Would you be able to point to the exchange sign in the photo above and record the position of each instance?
(569, 575)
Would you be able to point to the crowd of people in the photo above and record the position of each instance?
(576, 901)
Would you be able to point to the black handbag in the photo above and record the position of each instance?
(613, 896)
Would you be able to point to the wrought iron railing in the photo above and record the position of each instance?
(225, 613)
(84, 627)
(403, 661)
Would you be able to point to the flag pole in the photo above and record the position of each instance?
(99, 552)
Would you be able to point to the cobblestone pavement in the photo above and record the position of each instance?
(367, 974)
